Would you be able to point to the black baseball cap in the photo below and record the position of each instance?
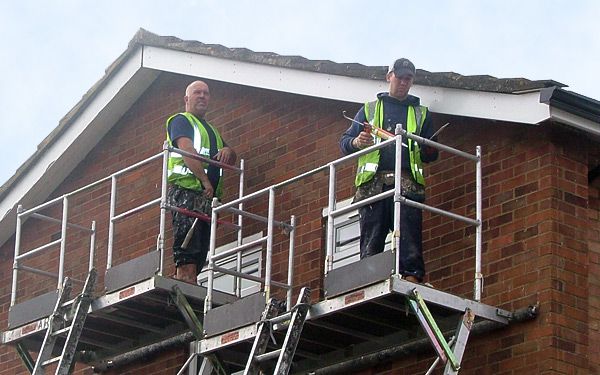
(402, 67)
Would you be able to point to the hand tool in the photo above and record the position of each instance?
(189, 235)
(368, 128)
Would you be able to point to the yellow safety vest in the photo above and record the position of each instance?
(178, 172)
(368, 164)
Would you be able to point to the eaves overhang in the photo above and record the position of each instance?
(520, 108)
(572, 109)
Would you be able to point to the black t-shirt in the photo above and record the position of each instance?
(179, 127)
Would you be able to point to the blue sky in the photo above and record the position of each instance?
(53, 51)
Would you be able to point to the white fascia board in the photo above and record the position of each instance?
(269, 77)
(60, 157)
(522, 108)
(575, 121)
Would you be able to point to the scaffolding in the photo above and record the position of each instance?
(367, 306)
(135, 309)
(366, 286)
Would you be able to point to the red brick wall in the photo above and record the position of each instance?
(594, 277)
(169, 362)
(535, 245)
(534, 198)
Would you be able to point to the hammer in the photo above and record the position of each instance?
(188, 236)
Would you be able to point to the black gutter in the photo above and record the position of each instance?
(571, 102)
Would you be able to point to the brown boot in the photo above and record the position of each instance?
(187, 273)
(412, 279)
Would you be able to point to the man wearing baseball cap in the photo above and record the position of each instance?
(375, 172)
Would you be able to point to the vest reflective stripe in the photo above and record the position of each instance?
(178, 172)
(182, 169)
(367, 164)
(414, 149)
(368, 167)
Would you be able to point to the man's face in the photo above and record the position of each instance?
(399, 86)
(197, 97)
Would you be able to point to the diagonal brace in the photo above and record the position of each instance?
(188, 313)
(25, 357)
(194, 324)
(435, 335)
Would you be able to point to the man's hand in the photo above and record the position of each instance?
(208, 191)
(363, 140)
(195, 165)
(226, 155)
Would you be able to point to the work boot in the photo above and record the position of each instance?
(412, 279)
(187, 273)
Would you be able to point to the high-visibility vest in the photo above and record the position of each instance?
(368, 164)
(178, 173)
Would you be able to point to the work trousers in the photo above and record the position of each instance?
(377, 220)
(197, 249)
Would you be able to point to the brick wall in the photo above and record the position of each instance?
(535, 248)
(169, 362)
(594, 277)
(535, 209)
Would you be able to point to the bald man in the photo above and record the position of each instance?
(193, 183)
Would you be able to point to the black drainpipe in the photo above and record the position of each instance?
(141, 353)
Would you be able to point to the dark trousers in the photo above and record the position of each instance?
(377, 220)
(197, 249)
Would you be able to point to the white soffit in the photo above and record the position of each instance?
(522, 108)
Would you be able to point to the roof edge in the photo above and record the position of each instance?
(355, 70)
(68, 118)
(571, 102)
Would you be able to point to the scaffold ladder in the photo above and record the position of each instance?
(295, 318)
(450, 353)
(66, 319)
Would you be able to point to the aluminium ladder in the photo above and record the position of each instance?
(285, 354)
(67, 319)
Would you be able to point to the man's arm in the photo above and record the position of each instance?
(355, 138)
(195, 165)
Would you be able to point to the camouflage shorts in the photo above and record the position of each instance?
(382, 181)
(189, 199)
(196, 250)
